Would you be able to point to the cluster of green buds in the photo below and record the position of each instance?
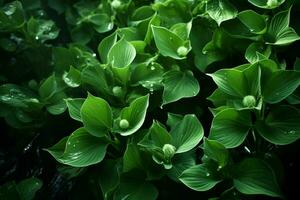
(182, 51)
(272, 3)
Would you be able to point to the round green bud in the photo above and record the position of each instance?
(249, 101)
(169, 150)
(117, 91)
(116, 4)
(182, 51)
(272, 3)
(124, 124)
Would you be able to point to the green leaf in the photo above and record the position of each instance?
(132, 158)
(135, 114)
(199, 178)
(216, 151)
(255, 22)
(281, 126)
(221, 10)
(80, 149)
(82, 34)
(136, 190)
(72, 78)
(267, 4)
(279, 32)
(231, 81)
(254, 176)
(168, 43)
(173, 119)
(253, 49)
(178, 85)
(11, 16)
(109, 177)
(28, 187)
(74, 106)
(156, 138)
(48, 88)
(101, 22)
(187, 133)
(96, 116)
(280, 85)
(182, 30)
(105, 45)
(98, 78)
(42, 30)
(230, 127)
(121, 54)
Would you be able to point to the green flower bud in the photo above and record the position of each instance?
(272, 3)
(116, 4)
(249, 101)
(182, 51)
(117, 91)
(169, 150)
(124, 124)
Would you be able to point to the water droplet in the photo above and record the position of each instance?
(204, 52)
(36, 37)
(69, 143)
(77, 57)
(247, 149)
(251, 30)
(219, 168)
(69, 81)
(292, 132)
(152, 68)
(94, 55)
(207, 174)
(74, 145)
(161, 107)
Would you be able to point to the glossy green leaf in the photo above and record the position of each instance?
(253, 49)
(199, 178)
(121, 54)
(105, 45)
(96, 115)
(135, 114)
(221, 10)
(42, 30)
(255, 22)
(101, 22)
(230, 127)
(178, 85)
(74, 106)
(216, 151)
(280, 85)
(80, 149)
(132, 158)
(72, 78)
(48, 88)
(187, 133)
(254, 176)
(281, 126)
(168, 43)
(11, 16)
(279, 32)
(231, 81)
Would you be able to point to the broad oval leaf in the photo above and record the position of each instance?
(216, 151)
(221, 10)
(74, 106)
(105, 45)
(168, 42)
(96, 116)
(121, 54)
(267, 4)
(80, 149)
(255, 22)
(187, 133)
(254, 176)
(199, 178)
(135, 114)
(280, 85)
(178, 85)
(230, 127)
(281, 126)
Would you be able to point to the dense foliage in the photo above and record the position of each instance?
(144, 100)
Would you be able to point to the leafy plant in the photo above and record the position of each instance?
(124, 99)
